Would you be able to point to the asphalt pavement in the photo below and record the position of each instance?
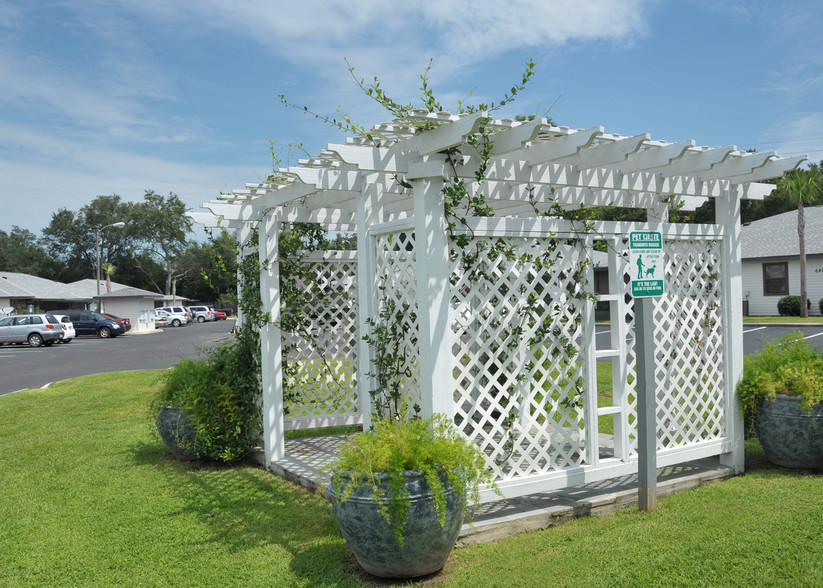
(23, 367)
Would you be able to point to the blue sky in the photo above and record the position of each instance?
(117, 96)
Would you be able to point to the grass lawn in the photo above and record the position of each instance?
(89, 496)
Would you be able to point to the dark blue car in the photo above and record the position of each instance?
(87, 322)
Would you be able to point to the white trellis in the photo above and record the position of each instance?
(547, 377)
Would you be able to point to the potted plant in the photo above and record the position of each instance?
(781, 391)
(207, 408)
(400, 492)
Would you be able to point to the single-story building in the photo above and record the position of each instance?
(771, 261)
(135, 304)
(22, 291)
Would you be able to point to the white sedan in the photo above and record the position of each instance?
(68, 327)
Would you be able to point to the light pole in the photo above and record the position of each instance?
(119, 225)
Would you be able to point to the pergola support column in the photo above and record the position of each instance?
(368, 215)
(433, 298)
(727, 214)
(271, 342)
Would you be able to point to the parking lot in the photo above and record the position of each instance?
(26, 367)
(754, 336)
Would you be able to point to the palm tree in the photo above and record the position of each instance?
(802, 187)
(109, 269)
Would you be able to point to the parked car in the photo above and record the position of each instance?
(219, 315)
(68, 328)
(34, 329)
(126, 322)
(177, 311)
(189, 313)
(87, 322)
(166, 319)
(202, 314)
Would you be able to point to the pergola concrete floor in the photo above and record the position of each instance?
(305, 458)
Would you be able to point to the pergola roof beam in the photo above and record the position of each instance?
(514, 138)
(773, 168)
(695, 161)
(737, 166)
(556, 147)
(610, 153)
(446, 136)
(654, 157)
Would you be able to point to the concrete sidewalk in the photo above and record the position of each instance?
(305, 459)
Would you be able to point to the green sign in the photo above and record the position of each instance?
(646, 259)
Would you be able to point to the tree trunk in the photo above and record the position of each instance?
(801, 241)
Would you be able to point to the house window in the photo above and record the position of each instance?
(775, 279)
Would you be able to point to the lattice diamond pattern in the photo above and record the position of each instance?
(688, 330)
(326, 356)
(395, 264)
(518, 373)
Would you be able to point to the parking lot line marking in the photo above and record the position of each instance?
(813, 336)
(755, 329)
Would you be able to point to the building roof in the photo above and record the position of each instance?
(130, 292)
(19, 285)
(776, 236)
(25, 286)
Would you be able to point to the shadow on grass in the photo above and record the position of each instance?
(244, 507)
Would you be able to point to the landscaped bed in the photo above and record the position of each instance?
(91, 496)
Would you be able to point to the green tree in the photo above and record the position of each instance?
(70, 236)
(214, 275)
(20, 252)
(801, 188)
(161, 225)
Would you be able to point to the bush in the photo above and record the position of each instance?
(220, 394)
(790, 305)
(788, 365)
(820, 305)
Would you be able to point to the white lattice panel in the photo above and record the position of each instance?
(518, 367)
(395, 266)
(689, 358)
(324, 354)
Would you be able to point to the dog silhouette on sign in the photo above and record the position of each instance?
(650, 271)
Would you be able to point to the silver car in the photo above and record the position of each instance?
(34, 329)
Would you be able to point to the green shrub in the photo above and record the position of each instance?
(221, 396)
(788, 365)
(789, 306)
(820, 305)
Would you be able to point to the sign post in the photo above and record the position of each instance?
(647, 271)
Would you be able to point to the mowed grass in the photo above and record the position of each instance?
(89, 496)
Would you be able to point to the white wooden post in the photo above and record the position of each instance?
(271, 341)
(242, 235)
(727, 214)
(433, 298)
(368, 215)
(590, 362)
(620, 365)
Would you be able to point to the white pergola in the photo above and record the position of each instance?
(362, 186)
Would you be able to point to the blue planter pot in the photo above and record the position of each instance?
(177, 431)
(790, 436)
(426, 545)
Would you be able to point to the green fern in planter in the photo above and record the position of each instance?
(788, 365)
(432, 446)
